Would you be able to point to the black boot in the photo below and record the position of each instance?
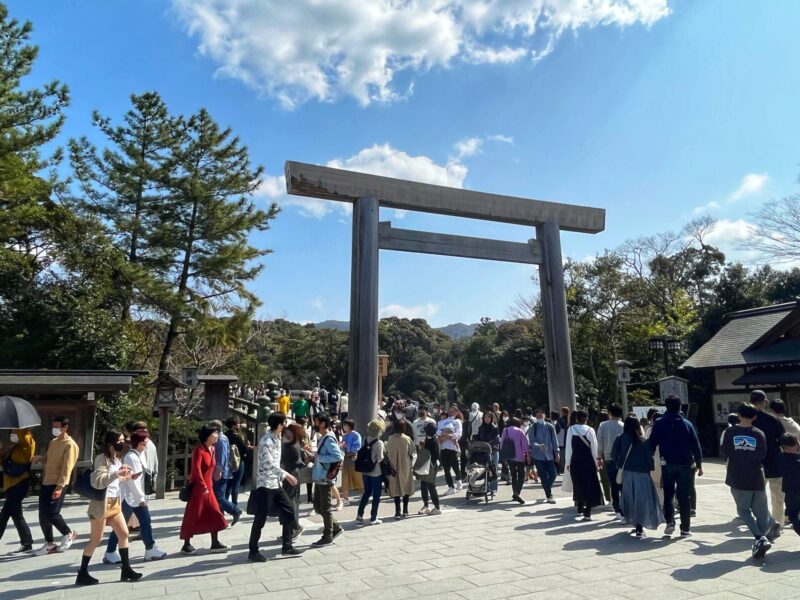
(127, 574)
(83, 577)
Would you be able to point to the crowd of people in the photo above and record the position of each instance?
(641, 468)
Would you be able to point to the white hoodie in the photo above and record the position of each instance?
(475, 418)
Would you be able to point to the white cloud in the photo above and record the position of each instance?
(752, 183)
(323, 49)
(505, 139)
(378, 159)
(467, 147)
(422, 311)
(708, 207)
(318, 304)
(472, 145)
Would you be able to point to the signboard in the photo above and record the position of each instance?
(674, 386)
(624, 373)
(383, 365)
(641, 411)
(189, 377)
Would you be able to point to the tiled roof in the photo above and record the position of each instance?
(728, 347)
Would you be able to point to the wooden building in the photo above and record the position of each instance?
(757, 348)
(71, 394)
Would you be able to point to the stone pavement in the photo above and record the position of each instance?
(499, 550)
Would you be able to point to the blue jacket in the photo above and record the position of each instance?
(676, 437)
(543, 433)
(222, 452)
(328, 453)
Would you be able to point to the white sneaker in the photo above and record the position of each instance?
(458, 486)
(155, 553)
(424, 511)
(619, 517)
(449, 492)
(45, 549)
(112, 558)
(375, 522)
(435, 511)
(66, 541)
(345, 502)
(669, 529)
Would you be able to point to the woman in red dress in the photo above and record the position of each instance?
(202, 514)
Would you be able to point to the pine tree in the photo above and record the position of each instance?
(121, 185)
(28, 118)
(204, 227)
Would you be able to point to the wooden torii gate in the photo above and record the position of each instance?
(370, 192)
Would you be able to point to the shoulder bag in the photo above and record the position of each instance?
(621, 471)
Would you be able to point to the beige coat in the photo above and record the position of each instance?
(101, 477)
(400, 450)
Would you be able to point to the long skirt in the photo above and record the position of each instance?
(640, 503)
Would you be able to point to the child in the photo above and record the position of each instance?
(789, 462)
(428, 479)
(351, 443)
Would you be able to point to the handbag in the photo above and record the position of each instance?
(422, 465)
(186, 492)
(621, 471)
(83, 486)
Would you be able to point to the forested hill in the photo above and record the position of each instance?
(455, 331)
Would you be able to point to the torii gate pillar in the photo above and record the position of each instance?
(363, 365)
(557, 347)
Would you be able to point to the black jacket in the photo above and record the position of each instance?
(772, 430)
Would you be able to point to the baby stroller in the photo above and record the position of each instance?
(480, 471)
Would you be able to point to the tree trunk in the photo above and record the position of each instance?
(172, 332)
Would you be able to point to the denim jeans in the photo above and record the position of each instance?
(224, 504)
(12, 509)
(372, 488)
(677, 478)
(752, 508)
(146, 528)
(547, 473)
(232, 488)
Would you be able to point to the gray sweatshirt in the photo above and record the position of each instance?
(606, 434)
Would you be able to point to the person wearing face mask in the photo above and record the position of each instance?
(202, 513)
(107, 474)
(61, 458)
(544, 452)
(134, 501)
(16, 462)
(448, 433)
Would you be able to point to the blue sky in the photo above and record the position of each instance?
(655, 112)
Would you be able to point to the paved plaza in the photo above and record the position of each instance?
(475, 551)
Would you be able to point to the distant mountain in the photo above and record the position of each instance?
(456, 331)
(459, 331)
(338, 325)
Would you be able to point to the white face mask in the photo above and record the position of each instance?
(56, 431)
(505, 419)
(14, 438)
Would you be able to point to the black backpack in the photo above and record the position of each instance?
(364, 462)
